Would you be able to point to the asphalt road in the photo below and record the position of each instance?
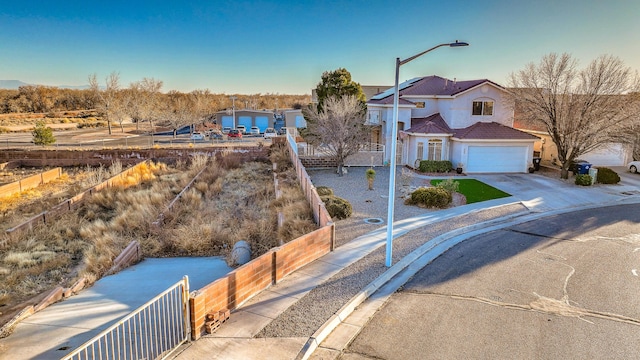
(565, 287)
(100, 138)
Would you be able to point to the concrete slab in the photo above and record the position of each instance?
(241, 324)
(63, 326)
(242, 349)
(341, 336)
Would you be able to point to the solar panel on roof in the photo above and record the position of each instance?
(401, 86)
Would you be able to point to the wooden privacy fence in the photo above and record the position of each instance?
(29, 182)
(70, 204)
(229, 292)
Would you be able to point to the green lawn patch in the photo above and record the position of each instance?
(476, 191)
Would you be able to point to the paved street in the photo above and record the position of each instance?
(563, 287)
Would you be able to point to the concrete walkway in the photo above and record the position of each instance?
(63, 326)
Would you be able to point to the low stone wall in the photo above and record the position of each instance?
(230, 291)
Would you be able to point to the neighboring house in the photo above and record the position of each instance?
(614, 154)
(260, 118)
(293, 118)
(466, 122)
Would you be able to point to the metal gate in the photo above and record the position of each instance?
(152, 331)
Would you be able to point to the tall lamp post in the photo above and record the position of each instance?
(394, 144)
(233, 109)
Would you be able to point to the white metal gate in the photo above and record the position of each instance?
(152, 331)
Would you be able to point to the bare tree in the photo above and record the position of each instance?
(338, 127)
(581, 109)
(107, 97)
(177, 111)
(146, 101)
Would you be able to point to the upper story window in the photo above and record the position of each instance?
(420, 105)
(374, 117)
(482, 108)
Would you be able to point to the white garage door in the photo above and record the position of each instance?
(610, 155)
(496, 159)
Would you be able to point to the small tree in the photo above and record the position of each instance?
(339, 127)
(371, 176)
(42, 134)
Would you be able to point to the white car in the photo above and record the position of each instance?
(226, 129)
(254, 130)
(633, 166)
(269, 133)
(197, 136)
(242, 129)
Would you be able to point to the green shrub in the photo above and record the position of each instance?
(431, 197)
(324, 191)
(449, 185)
(431, 166)
(583, 179)
(337, 207)
(607, 176)
(42, 134)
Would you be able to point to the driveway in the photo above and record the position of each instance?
(563, 287)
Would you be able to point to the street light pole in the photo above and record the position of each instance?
(233, 110)
(394, 142)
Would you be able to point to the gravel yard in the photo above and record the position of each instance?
(306, 316)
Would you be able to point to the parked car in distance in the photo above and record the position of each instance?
(242, 129)
(254, 130)
(197, 136)
(215, 135)
(234, 133)
(633, 166)
(225, 130)
(269, 132)
(282, 131)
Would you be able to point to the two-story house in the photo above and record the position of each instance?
(466, 122)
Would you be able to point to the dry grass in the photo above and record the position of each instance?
(232, 200)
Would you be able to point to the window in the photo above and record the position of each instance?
(435, 149)
(420, 105)
(373, 117)
(482, 108)
(420, 154)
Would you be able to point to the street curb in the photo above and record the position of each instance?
(447, 241)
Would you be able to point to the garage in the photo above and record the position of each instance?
(497, 159)
(227, 121)
(246, 121)
(262, 122)
(607, 155)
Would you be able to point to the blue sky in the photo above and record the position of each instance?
(250, 47)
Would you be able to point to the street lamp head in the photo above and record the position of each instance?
(458, 43)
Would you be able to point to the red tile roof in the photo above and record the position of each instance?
(492, 130)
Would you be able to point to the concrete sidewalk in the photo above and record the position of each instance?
(63, 326)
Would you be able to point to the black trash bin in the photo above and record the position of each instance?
(536, 163)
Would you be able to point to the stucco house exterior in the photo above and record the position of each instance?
(466, 122)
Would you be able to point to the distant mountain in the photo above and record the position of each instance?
(15, 84)
(11, 84)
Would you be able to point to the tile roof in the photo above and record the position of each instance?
(492, 130)
(433, 86)
(433, 124)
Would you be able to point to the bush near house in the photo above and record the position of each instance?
(607, 176)
(434, 166)
(431, 197)
(337, 207)
(583, 179)
(324, 191)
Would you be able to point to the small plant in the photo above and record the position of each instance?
(43, 135)
(324, 191)
(337, 207)
(431, 197)
(371, 176)
(583, 179)
(449, 185)
(607, 176)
